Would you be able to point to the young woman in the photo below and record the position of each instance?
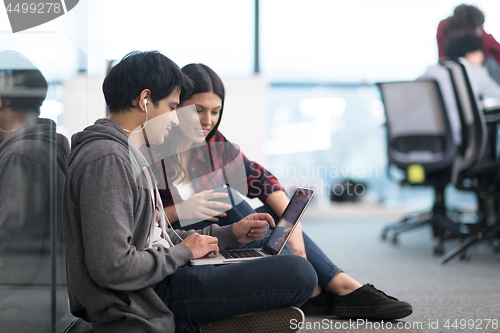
(202, 163)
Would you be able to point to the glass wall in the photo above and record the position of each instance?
(36, 67)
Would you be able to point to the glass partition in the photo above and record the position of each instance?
(36, 67)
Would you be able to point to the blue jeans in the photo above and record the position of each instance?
(324, 267)
(201, 294)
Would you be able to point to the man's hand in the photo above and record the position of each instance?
(202, 207)
(200, 245)
(252, 227)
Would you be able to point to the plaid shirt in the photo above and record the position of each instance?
(215, 164)
(491, 46)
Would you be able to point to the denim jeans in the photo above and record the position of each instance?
(200, 294)
(324, 267)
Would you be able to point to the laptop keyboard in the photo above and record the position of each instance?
(235, 254)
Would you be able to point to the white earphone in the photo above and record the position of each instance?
(146, 108)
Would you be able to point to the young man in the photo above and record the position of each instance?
(126, 271)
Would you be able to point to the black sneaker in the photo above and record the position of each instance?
(320, 305)
(278, 320)
(366, 302)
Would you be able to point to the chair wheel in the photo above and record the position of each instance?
(395, 240)
(465, 257)
(438, 249)
(383, 236)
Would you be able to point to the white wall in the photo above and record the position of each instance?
(245, 115)
(83, 103)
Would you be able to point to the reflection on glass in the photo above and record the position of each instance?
(33, 159)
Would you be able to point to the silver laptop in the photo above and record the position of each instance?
(277, 240)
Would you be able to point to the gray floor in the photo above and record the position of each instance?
(467, 291)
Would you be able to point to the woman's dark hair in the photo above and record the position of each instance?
(204, 80)
(465, 20)
(460, 46)
(138, 71)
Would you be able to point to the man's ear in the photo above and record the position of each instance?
(144, 95)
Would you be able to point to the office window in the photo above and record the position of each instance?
(218, 33)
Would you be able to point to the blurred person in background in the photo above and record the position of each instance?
(466, 20)
(469, 20)
(470, 48)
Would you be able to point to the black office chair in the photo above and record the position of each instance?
(419, 133)
(476, 167)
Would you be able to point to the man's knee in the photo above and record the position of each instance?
(302, 273)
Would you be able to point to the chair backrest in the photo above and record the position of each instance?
(442, 76)
(474, 133)
(418, 128)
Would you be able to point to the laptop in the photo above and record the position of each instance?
(277, 240)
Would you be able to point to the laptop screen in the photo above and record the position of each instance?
(288, 221)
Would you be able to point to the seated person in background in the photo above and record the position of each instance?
(128, 272)
(466, 20)
(29, 150)
(470, 47)
(200, 160)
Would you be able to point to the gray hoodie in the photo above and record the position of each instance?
(33, 165)
(107, 215)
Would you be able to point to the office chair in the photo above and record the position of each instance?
(419, 134)
(476, 167)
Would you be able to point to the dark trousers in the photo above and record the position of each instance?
(324, 267)
(200, 294)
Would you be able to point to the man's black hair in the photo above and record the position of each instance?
(460, 46)
(138, 71)
(23, 88)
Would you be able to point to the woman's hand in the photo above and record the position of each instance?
(252, 227)
(202, 207)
